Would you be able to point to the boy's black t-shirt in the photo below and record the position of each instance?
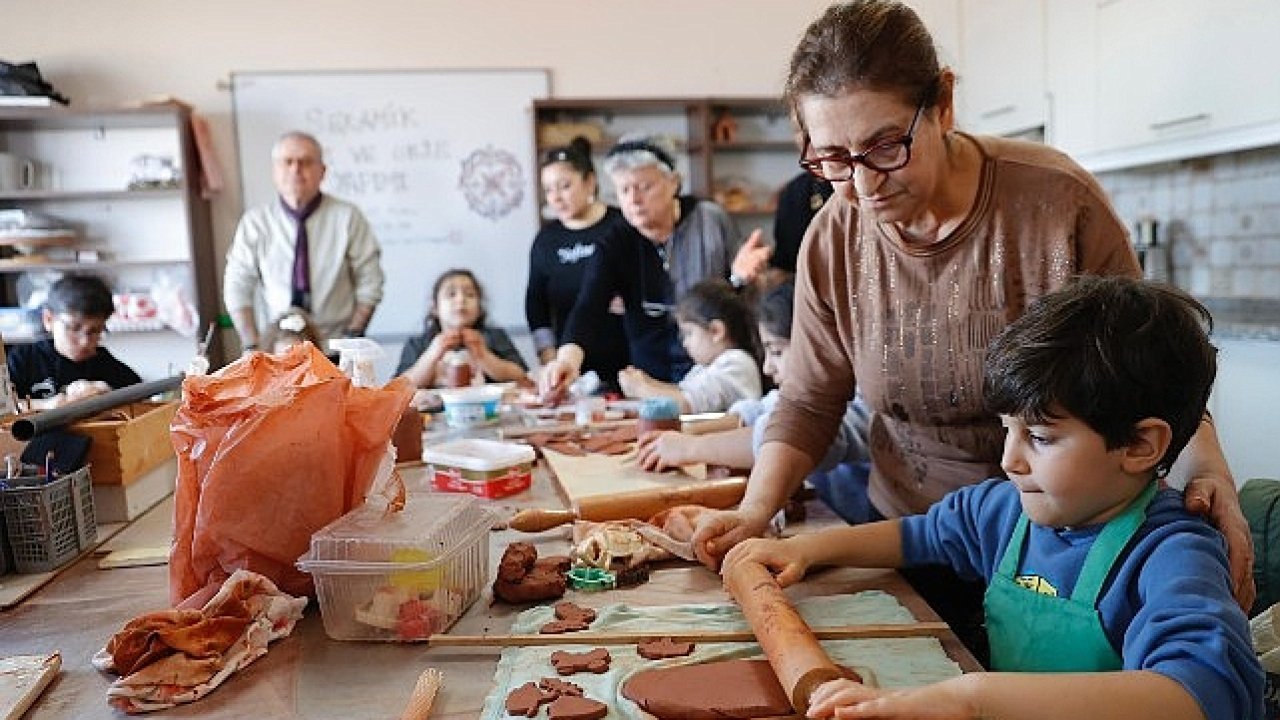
(39, 371)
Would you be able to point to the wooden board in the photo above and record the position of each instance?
(597, 474)
(22, 679)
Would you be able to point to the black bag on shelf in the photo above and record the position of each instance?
(23, 79)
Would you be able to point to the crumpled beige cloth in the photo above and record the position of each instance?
(177, 656)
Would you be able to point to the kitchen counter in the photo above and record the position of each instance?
(1244, 318)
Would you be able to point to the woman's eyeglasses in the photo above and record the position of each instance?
(883, 157)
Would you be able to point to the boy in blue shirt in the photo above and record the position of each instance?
(70, 365)
(1105, 598)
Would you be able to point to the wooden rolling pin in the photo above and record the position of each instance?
(634, 504)
(788, 643)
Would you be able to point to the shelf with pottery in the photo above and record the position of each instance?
(123, 182)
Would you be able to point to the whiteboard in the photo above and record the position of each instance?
(441, 162)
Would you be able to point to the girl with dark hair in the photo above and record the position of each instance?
(840, 478)
(456, 322)
(561, 253)
(718, 332)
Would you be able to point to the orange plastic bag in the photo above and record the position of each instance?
(270, 449)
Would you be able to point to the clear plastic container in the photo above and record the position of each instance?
(401, 577)
(358, 359)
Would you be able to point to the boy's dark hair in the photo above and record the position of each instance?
(1110, 351)
(433, 322)
(84, 295)
(777, 306)
(716, 299)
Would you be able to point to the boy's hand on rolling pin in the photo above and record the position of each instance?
(783, 559)
(720, 530)
(660, 450)
(947, 700)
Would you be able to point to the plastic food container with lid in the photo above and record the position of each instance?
(472, 406)
(485, 468)
(400, 577)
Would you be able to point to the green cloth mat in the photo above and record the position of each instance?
(894, 662)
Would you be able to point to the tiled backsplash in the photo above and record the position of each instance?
(1219, 216)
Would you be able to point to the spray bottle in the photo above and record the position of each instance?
(357, 359)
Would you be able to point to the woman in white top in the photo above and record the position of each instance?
(718, 331)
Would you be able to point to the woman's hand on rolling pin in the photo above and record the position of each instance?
(783, 559)
(720, 530)
(661, 450)
(947, 700)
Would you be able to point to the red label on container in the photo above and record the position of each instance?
(514, 480)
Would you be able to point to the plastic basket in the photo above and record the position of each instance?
(403, 577)
(48, 523)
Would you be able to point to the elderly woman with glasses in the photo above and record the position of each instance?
(668, 243)
(933, 241)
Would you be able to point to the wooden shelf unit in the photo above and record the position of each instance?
(757, 160)
(83, 158)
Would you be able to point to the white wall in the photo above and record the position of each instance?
(105, 53)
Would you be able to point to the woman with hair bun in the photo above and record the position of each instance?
(561, 253)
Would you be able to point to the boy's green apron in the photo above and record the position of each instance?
(1033, 632)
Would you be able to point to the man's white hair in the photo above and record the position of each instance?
(298, 135)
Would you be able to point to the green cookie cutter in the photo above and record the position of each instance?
(591, 579)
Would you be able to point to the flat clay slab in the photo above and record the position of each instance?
(739, 689)
(709, 691)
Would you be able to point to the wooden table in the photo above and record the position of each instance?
(309, 676)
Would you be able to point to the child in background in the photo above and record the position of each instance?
(718, 332)
(291, 328)
(1103, 593)
(456, 322)
(70, 365)
(840, 478)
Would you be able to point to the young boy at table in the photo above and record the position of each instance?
(1105, 599)
(70, 365)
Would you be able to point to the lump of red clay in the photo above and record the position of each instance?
(593, 661)
(524, 577)
(526, 699)
(663, 648)
(559, 687)
(569, 618)
(572, 707)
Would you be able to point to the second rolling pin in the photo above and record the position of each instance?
(634, 504)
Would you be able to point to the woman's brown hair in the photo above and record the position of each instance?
(874, 44)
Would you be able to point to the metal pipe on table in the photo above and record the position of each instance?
(28, 427)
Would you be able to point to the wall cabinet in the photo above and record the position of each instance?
(125, 181)
(737, 151)
(1001, 88)
(1136, 82)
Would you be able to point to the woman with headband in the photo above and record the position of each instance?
(668, 243)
